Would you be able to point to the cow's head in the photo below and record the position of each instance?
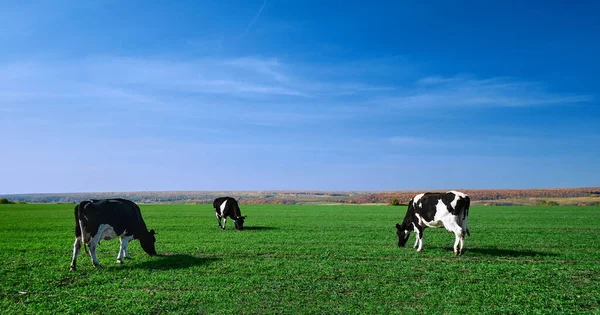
(239, 222)
(147, 241)
(403, 234)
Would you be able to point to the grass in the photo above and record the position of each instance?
(306, 259)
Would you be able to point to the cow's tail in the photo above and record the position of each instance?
(80, 213)
(79, 224)
(465, 221)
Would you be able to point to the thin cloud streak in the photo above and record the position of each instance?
(255, 17)
(152, 80)
(461, 91)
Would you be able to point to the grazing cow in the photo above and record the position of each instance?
(228, 207)
(450, 210)
(106, 219)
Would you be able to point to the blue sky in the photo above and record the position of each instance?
(308, 95)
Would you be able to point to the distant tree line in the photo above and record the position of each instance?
(4, 201)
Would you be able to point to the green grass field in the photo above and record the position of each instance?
(306, 259)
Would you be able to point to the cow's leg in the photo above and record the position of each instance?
(458, 240)
(219, 220)
(224, 222)
(456, 243)
(126, 253)
(93, 244)
(123, 249)
(419, 237)
(76, 248)
(458, 231)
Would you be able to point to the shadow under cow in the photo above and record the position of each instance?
(259, 228)
(503, 252)
(173, 261)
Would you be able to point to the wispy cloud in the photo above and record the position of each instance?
(273, 92)
(463, 91)
(146, 80)
(434, 80)
(269, 67)
(140, 80)
(173, 91)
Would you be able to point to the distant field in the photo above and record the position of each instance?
(306, 259)
(522, 197)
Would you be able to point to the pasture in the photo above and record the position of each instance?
(306, 259)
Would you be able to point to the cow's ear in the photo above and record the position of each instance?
(398, 226)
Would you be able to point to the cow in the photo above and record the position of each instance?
(106, 219)
(449, 210)
(228, 207)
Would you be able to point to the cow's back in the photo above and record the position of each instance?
(122, 215)
(425, 205)
(218, 201)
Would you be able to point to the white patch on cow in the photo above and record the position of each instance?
(416, 199)
(418, 240)
(83, 232)
(458, 193)
(76, 248)
(108, 233)
(222, 207)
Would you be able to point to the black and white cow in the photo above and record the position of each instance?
(106, 219)
(449, 210)
(228, 207)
